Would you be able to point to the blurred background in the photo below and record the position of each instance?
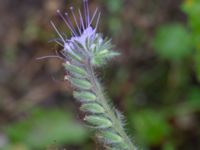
(155, 82)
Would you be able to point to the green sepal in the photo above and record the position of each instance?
(84, 96)
(98, 121)
(111, 137)
(79, 45)
(101, 57)
(80, 83)
(92, 108)
(75, 69)
(75, 56)
(103, 52)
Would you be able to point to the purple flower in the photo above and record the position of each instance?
(83, 28)
(85, 43)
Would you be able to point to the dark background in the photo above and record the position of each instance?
(155, 81)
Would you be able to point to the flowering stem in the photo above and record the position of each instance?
(116, 123)
(83, 52)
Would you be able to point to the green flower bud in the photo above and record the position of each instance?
(75, 69)
(98, 121)
(92, 108)
(75, 56)
(111, 137)
(103, 52)
(80, 83)
(84, 96)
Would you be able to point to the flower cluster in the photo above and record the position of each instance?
(85, 43)
(82, 52)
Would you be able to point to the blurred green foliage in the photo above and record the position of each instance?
(45, 126)
(192, 9)
(155, 83)
(114, 6)
(150, 127)
(173, 42)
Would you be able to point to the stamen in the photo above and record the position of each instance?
(70, 23)
(97, 23)
(95, 12)
(81, 19)
(85, 12)
(72, 10)
(66, 22)
(57, 31)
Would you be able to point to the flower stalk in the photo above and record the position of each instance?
(82, 53)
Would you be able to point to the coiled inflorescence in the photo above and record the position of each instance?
(85, 50)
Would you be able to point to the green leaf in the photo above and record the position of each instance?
(172, 42)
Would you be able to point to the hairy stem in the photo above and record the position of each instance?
(82, 53)
(108, 110)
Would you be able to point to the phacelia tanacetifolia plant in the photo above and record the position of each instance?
(82, 53)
